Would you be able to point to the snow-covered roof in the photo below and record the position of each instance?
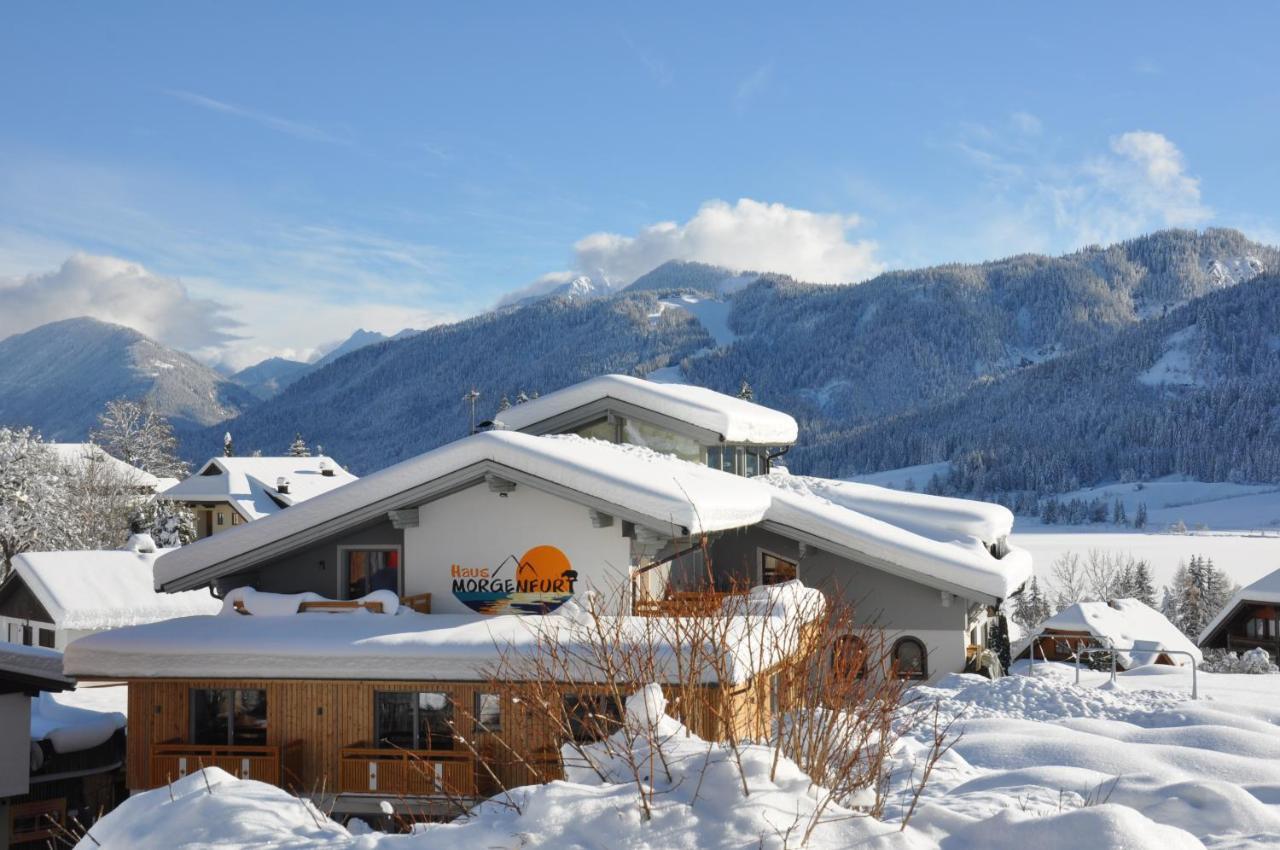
(250, 483)
(735, 420)
(942, 539)
(1126, 623)
(70, 728)
(408, 645)
(667, 492)
(104, 589)
(76, 455)
(32, 665)
(1264, 590)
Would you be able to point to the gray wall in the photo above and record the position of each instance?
(15, 744)
(315, 568)
(878, 597)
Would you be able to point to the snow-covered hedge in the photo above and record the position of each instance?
(1256, 660)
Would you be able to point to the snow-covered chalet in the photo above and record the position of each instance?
(638, 491)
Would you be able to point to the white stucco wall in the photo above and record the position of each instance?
(15, 743)
(477, 529)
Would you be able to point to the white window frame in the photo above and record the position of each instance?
(761, 552)
(376, 547)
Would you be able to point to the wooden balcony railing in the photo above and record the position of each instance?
(407, 773)
(273, 764)
(698, 603)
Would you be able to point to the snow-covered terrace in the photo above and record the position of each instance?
(104, 589)
(1141, 633)
(250, 483)
(360, 644)
(735, 420)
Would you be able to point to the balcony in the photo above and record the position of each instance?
(405, 773)
(274, 764)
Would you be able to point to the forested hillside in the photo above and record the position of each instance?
(57, 378)
(1194, 392)
(394, 399)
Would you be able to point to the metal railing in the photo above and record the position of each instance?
(1111, 648)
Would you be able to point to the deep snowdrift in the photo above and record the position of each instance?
(1041, 763)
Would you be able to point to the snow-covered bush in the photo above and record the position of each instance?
(1256, 660)
(170, 524)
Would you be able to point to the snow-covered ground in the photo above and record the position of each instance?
(712, 314)
(1039, 763)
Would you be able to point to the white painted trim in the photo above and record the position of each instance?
(373, 547)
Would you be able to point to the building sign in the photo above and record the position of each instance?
(538, 582)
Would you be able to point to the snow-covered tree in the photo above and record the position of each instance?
(170, 524)
(1031, 607)
(745, 391)
(1140, 518)
(521, 397)
(504, 404)
(298, 448)
(228, 447)
(133, 431)
(1198, 592)
(1118, 514)
(1141, 586)
(32, 496)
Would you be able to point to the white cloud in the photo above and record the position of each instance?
(273, 122)
(1038, 202)
(115, 290)
(754, 235)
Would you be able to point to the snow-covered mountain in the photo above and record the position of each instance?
(272, 375)
(843, 359)
(58, 377)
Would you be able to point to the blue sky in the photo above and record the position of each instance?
(252, 179)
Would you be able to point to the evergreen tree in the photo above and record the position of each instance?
(298, 448)
(1140, 519)
(504, 404)
(1118, 514)
(745, 391)
(228, 447)
(1142, 588)
(521, 397)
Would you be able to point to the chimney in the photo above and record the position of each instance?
(326, 468)
(282, 485)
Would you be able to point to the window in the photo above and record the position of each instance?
(723, 458)
(46, 638)
(775, 570)
(601, 429)
(222, 518)
(592, 717)
(368, 570)
(910, 661)
(488, 713)
(20, 634)
(227, 716)
(750, 462)
(849, 657)
(235, 519)
(660, 440)
(413, 721)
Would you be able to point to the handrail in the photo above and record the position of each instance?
(1113, 649)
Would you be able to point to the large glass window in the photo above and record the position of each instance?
(601, 429)
(775, 570)
(661, 440)
(592, 717)
(413, 721)
(368, 570)
(228, 716)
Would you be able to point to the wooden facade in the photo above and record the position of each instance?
(1250, 625)
(320, 736)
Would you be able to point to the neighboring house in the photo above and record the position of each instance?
(1141, 635)
(230, 491)
(51, 598)
(58, 761)
(78, 456)
(1250, 620)
(512, 523)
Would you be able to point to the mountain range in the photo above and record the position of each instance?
(1029, 373)
(270, 376)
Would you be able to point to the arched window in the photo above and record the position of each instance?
(849, 657)
(910, 660)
